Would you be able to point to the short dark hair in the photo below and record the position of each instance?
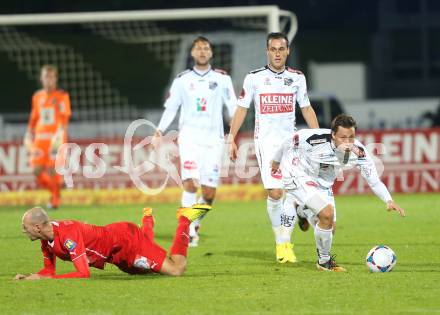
(343, 120)
(276, 35)
(200, 39)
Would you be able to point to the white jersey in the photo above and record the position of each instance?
(201, 97)
(311, 152)
(274, 95)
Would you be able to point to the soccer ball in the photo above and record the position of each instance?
(381, 258)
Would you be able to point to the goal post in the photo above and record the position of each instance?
(271, 12)
(117, 65)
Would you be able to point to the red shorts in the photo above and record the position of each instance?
(138, 254)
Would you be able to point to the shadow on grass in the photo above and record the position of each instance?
(124, 277)
(268, 257)
(340, 244)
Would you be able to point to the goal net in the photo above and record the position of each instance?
(117, 66)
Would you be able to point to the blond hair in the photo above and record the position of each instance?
(50, 67)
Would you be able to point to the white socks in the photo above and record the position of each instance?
(188, 199)
(324, 239)
(196, 223)
(274, 209)
(288, 219)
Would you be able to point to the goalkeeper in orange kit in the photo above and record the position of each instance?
(47, 131)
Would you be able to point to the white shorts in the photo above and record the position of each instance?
(265, 154)
(201, 162)
(311, 198)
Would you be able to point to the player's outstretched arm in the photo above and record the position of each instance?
(48, 270)
(391, 205)
(81, 265)
(369, 173)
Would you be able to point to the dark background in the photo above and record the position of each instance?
(397, 40)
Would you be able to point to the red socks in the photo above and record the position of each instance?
(148, 226)
(181, 239)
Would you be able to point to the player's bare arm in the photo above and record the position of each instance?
(237, 121)
(392, 206)
(310, 117)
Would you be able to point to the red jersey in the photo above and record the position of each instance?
(87, 245)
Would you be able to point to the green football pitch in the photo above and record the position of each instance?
(234, 271)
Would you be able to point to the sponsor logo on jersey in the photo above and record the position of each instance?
(296, 140)
(316, 141)
(313, 184)
(141, 262)
(189, 165)
(358, 151)
(288, 81)
(295, 161)
(212, 85)
(277, 174)
(273, 103)
(201, 104)
(70, 245)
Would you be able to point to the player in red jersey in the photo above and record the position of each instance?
(47, 131)
(124, 244)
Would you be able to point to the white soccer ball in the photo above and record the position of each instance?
(381, 258)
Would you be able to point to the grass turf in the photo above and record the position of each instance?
(233, 271)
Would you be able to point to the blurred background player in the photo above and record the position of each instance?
(47, 130)
(200, 93)
(275, 89)
(311, 160)
(131, 248)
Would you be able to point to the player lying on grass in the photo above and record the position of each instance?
(311, 160)
(124, 244)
